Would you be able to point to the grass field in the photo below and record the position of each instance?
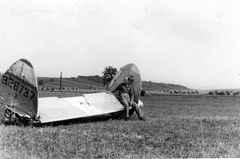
(188, 126)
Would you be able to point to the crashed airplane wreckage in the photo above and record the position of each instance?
(19, 97)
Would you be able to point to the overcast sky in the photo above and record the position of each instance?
(195, 43)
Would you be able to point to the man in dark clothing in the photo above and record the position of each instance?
(126, 96)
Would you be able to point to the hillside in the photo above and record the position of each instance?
(95, 82)
(161, 86)
(80, 82)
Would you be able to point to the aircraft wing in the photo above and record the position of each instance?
(54, 109)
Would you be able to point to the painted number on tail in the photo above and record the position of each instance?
(18, 86)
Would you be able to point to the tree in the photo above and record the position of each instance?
(108, 74)
(40, 82)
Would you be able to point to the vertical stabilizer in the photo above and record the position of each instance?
(20, 89)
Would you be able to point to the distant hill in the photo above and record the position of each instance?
(152, 86)
(95, 78)
(95, 82)
(80, 82)
(91, 82)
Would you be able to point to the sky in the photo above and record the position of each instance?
(195, 43)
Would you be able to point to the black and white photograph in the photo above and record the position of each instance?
(119, 79)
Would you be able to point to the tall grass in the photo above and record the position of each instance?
(176, 127)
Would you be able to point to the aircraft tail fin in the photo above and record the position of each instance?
(19, 88)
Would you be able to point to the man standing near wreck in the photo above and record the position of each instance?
(126, 96)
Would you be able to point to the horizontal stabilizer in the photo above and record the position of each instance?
(82, 104)
(107, 103)
(57, 109)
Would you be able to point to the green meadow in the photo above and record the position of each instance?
(177, 126)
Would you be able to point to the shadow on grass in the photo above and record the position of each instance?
(92, 119)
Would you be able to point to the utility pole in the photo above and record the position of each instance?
(61, 82)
